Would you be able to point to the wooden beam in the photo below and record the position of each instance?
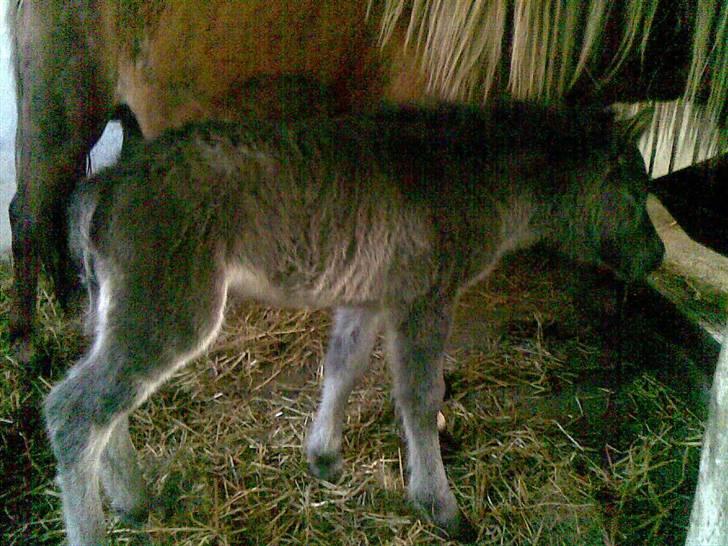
(709, 516)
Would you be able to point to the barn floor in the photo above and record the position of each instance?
(563, 427)
(694, 277)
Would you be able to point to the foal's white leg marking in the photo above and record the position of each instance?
(347, 357)
(419, 407)
(415, 350)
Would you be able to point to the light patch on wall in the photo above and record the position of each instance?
(7, 130)
(108, 148)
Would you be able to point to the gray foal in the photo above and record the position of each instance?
(383, 217)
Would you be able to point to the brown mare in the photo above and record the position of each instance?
(172, 62)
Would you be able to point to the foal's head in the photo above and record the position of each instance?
(599, 213)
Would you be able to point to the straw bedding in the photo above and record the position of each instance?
(532, 449)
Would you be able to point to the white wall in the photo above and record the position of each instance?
(104, 153)
(7, 130)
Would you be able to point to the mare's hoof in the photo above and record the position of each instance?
(22, 349)
(21, 330)
(327, 466)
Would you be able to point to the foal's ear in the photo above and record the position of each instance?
(630, 130)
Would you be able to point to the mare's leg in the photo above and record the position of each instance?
(347, 357)
(415, 343)
(146, 329)
(62, 108)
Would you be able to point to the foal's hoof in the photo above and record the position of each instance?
(326, 466)
(445, 513)
(461, 530)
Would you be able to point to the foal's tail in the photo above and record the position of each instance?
(81, 212)
(81, 209)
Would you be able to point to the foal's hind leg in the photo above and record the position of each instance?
(122, 478)
(144, 334)
(416, 341)
(352, 338)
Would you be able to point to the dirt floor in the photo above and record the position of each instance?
(573, 417)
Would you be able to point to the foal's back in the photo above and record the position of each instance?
(353, 210)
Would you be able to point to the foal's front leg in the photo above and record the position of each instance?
(415, 343)
(347, 357)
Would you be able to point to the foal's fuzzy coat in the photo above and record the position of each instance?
(383, 217)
